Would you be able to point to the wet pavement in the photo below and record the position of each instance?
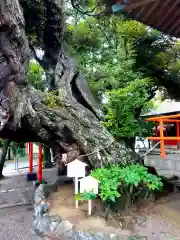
(16, 211)
(16, 224)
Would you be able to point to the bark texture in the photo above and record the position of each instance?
(24, 113)
(4, 150)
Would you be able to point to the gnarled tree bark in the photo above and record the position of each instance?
(4, 150)
(24, 115)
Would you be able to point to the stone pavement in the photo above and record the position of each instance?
(22, 163)
(15, 190)
(16, 224)
(16, 211)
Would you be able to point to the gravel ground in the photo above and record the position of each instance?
(16, 224)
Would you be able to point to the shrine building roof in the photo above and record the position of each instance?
(163, 15)
(167, 107)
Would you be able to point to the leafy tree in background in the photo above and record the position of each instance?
(121, 118)
(125, 62)
(35, 76)
(108, 60)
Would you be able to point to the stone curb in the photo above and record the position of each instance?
(54, 227)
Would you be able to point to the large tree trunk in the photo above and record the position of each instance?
(24, 114)
(4, 150)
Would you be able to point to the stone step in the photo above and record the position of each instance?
(15, 197)
(157, 151)
(169, 174)
(170, 163)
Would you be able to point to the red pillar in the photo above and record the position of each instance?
(163, 154)
(40, 164)
(177, 134)
(30, 157)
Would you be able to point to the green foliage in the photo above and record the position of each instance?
(121, 107)
(85, 196)
(82, 34)
(116, 181)
(131, 29)
(108, 60)
(157, 55)
(35, 76)
(117, 57)
(135, 238)
(18, 149)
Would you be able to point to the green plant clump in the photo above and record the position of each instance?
(51, 100)
(85, 196)
(115, 181)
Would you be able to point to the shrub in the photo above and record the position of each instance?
(134, 179)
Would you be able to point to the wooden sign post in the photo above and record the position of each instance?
(91, 185)
(76, 169)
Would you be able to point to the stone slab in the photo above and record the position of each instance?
(15, 197)
(170, 163)
(10, 197)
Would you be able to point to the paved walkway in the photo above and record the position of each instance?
(16, 223)
(20, 166)
(16, 211)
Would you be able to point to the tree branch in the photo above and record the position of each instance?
(76, 5)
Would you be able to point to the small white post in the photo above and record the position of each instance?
(89, 206)
(76, 189)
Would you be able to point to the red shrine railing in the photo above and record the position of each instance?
(162, 138)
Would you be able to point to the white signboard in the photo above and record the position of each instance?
(76, 169)
(89, 184)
